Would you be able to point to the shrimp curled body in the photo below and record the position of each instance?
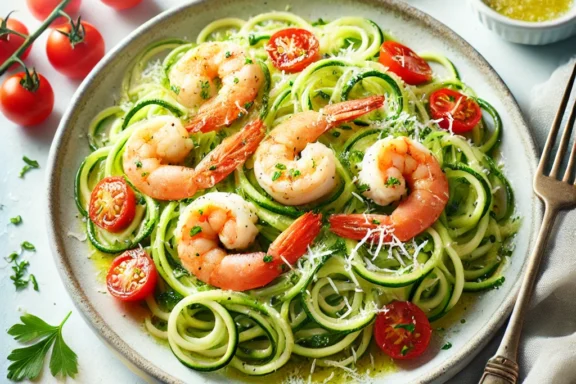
(390, 166)
(218, 222)
(158, 146)
(197, 77)
(313, 175)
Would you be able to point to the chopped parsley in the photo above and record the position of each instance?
(267, 259)
(446, 346)
(204, 89)
(18, 277)
(200, 211)
(28, 246)
(409, 327)
(236, 80)
(248, 105)
(294, 172)
(195, 230)
(227, 54)
(363, 188)
(276, 175)
(175, 89)
(249, 61)
(405, 349)
(392, 181)
(280, 166)
(138, 164)
(374, 221)
(335, 133)
(212, 168)
(27, 362)
(16, 220)
(30, 164)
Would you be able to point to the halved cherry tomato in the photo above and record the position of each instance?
(454, 109)
(121, 4)
(405, 63)
(132, 276)
(42, 8)
(112, 204)
(293, 49)
(75, 60)
(402, 330)
(10, 43)
(26, 102)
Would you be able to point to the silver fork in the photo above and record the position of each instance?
(557, 195)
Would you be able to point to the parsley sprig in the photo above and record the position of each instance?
(30, 164)
(27, 362)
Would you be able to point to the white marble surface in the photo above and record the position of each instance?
(521, 67)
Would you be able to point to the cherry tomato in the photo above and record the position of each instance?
(112, 204)
(293, 49)
(402, 330)
(42, 8)
(75, 61)
(454, 109)
(405, 63)
(11, 42)
(132, 276)
(26, 106)
(121, 4)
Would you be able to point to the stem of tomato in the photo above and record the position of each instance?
(30, 39)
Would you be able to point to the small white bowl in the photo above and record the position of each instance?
(524, 32)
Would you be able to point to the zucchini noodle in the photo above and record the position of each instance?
(323, 309)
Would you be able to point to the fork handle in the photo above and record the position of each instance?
(503, 367)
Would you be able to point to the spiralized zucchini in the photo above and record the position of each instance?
(324, 308)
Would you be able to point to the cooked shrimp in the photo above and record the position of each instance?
(218, 222)
(159, 144)
(197, 75)
(313, 175)
(390, 165)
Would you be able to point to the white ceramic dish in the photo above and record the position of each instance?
(524, 32)
(418, 30)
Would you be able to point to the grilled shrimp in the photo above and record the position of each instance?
(388, 167)
(159, 144)
(197, 75)
(296, 182)
(219, 222)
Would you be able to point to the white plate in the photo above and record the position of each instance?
(417, 30)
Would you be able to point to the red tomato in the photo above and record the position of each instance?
(42, 8)
(121, 4)
(450, 106)
(26, 106)
(405, 63)
(112, 204)
(10, 43)
(402, 330)
(75, 61)
(132, 276)
(293, 49)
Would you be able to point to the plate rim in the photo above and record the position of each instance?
(134, 359)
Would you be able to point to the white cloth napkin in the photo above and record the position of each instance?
(548, 348)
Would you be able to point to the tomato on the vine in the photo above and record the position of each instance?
(112, 204)
(26, 98)
(132, 276)
(402, 330)
(42, 8)
(405, 63)
(121, 4)
(10, 42)
(454, 110)
(74, 49)
(293, 49)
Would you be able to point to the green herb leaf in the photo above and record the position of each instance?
(392, 181)
(446, 346)
(280, 166)
(32, 278)
(11, 257)
(28, 246)
(236, 80)
(27, 362)
(175, 89)
(20, 270)
(249, 61)
(374, 221)
(363, 188)
(276, 175)
(335, 133)
(138, 164)
(30, 164)
(294, 173)
(16, 220)
(212, 168)
(409, 327)
(195, 230)
(204, 89)
(267, 259)
(405, 349)
(248, 105)
(227, 54)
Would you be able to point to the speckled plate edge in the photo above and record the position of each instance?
(135, 360)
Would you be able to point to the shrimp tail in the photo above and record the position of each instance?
(294, 241)
(350, 110)
(356, 226)
(231, 153)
